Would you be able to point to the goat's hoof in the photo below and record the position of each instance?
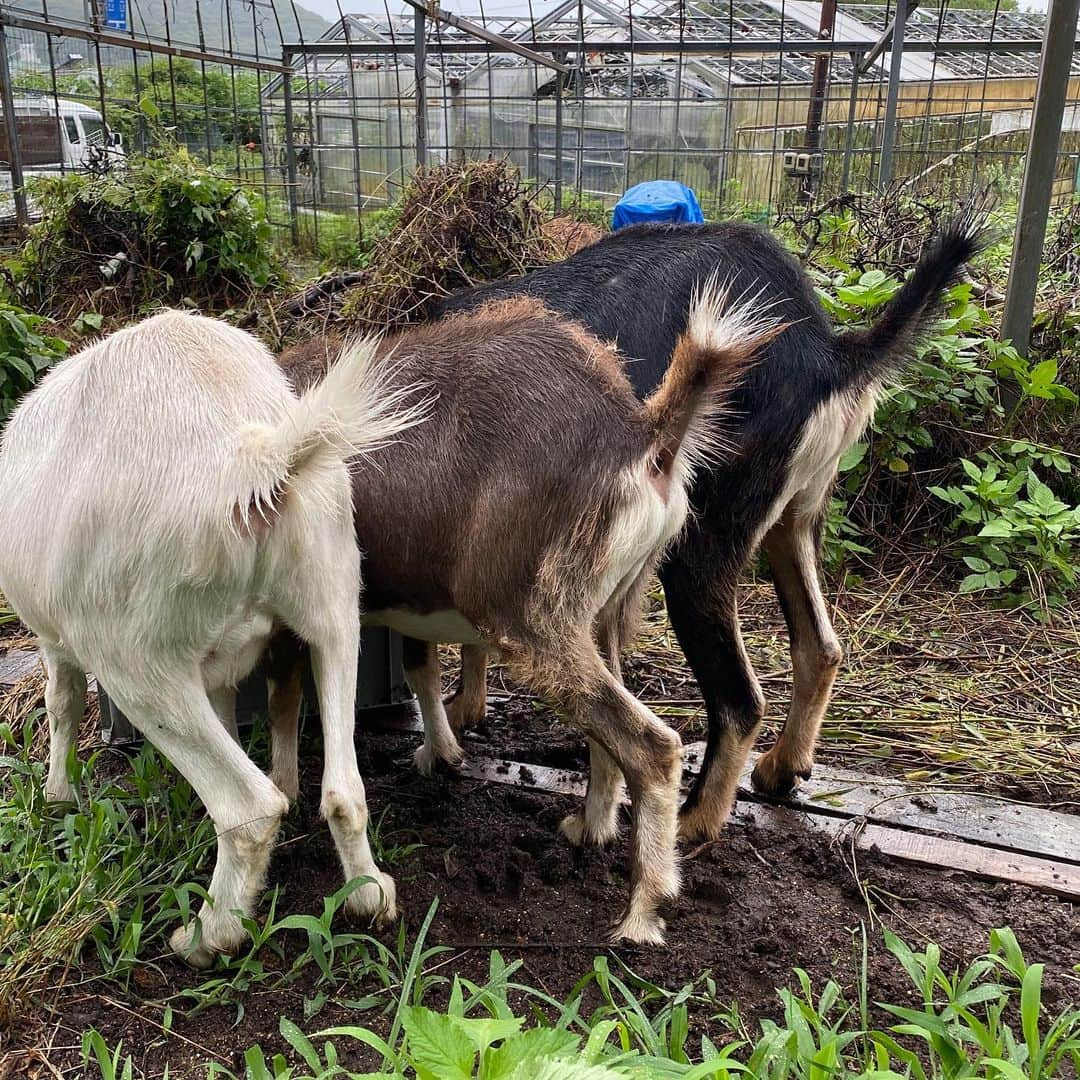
(577, 828)
(375, 899)
(698, 825)
(427, 757)
(464, 715)
(639, 929)
(60, 792)
(772, 776)
(200, 956)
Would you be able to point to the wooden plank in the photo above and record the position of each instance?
(16, 664)
(536, 777)
(1046, 875)
(980, 819)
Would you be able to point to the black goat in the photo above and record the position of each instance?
(807, 400)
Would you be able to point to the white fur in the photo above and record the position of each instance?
(440, 743)
(596, 821)
(126, 484)
(835, 426)
(719, 324)
(644, 526)
(450, 627)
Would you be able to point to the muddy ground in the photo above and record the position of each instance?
(928, 691)
(754, 905)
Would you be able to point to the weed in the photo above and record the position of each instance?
(964, 1025)
(26, 352)
(165, 229)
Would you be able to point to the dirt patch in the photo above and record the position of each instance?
(753, 906)
(932, 688)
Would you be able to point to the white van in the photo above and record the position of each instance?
(54, 137)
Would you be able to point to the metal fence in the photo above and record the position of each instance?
(755, 104)
(759, 105)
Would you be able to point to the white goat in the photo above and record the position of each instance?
(165, 499)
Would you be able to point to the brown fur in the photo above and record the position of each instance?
(533, 421)
(693, 374)
(502, 507)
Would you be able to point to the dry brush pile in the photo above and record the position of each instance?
(457, 225)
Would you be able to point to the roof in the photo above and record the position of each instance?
(735, 21)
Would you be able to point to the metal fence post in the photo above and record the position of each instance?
(896, 60)
(11, 127)
(290, 150)
(558, 138)
(849, 135)
(819, 91)
(420, 76)
(1054, 68)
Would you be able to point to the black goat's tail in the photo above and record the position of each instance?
(881, 350)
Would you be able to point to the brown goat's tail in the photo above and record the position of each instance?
(719, 344)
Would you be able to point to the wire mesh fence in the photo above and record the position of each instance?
(759, 105)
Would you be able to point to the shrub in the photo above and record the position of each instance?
(162, 229)
(25, 352)
(1014, 532)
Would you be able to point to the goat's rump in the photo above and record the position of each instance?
(534, 427)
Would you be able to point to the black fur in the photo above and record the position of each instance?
(635, 288)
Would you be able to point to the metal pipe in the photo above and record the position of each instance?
(481, 32)
(11, 128)
(60, 28)
(1039, 171)
(849, 136)
(819, 89)
(820, 81)
(420, 82)
(354, 123)
(558, 138)
(290, 156)
(896, 60)
(641, 46)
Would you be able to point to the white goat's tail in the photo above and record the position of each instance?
(721, 341)
(356, 408)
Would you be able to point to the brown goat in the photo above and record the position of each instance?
(524, 516)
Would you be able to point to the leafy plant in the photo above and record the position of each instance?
(26, 352)
(165, 229)
(1015, 535)
(1013, 525)
(963, 1025)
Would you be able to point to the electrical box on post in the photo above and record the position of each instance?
(802, 163)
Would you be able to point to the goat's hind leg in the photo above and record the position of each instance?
(792, 549)
(467, 708)
(421, 662)
(223, 699)
(323, 610)
(244, 805)
(596, 822)
(646, 751)
(700, 588)
(65, 703)
(284, 698)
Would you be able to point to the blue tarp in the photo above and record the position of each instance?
(656, 200)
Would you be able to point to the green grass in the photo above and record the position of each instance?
(986, 1020)
(88, 894)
